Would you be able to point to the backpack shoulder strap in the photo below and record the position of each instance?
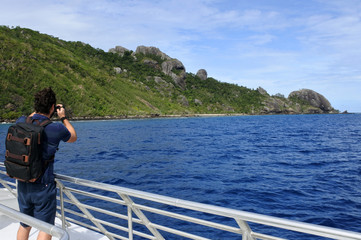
(29, 120)
(43, 123)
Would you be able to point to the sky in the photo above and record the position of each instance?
(279, 45)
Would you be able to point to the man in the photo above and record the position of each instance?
(38, 199)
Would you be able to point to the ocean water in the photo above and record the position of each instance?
(300, 167)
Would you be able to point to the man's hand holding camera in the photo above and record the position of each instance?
(60, 110)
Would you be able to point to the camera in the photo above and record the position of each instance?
(56, 110)
(59, 107)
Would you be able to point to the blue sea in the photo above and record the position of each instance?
(300, 167)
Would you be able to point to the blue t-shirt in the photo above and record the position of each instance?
(53, 134)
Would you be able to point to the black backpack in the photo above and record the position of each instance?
(23, 156)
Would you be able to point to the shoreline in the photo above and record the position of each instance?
(150, 116)
(154, 116)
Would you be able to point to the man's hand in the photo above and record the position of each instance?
(61, 114)
(60, 110)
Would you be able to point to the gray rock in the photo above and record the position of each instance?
(313, 98)
(262, 91)
(159, 80)
(152, 63)
(120, 50)
(176, 70)
(183, 100)
(202, 74)
(171, 65)
(152, 51)
(198, 102)
(273, 105)
(118, 70)
(179, 80)
(163, 87)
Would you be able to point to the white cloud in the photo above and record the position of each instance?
(279, 45)
(261, 39)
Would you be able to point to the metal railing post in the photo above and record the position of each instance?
(246, 230)
(141, 216)
(88, 214)
(130, 222)
(61, 194)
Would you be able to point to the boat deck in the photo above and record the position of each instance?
(9, 227)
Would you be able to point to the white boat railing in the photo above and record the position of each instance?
(123, 213)
(40, 225)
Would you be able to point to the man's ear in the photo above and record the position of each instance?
(52, 111)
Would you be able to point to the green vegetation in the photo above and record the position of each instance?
(85, 80)
(220, 97)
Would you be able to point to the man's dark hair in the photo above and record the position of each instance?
(44, 99)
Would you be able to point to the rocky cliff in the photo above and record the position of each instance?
(170, 66)
(304, 101)
(313, 98)
(121, 82)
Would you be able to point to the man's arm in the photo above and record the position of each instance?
(67, 124)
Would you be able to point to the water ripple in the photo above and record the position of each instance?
(303, 167)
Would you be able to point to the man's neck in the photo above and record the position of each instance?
(46, 115)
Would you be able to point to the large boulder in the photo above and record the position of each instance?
(152, 51)
(313, 98)
(170, 66)
(118, 70)
(202, 74)
(262, 91)
(152, 63)
(119, 50)
(273, 106)
(175, 69)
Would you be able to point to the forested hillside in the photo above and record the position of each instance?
(94, 83)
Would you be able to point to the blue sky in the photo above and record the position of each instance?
(280, 45)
